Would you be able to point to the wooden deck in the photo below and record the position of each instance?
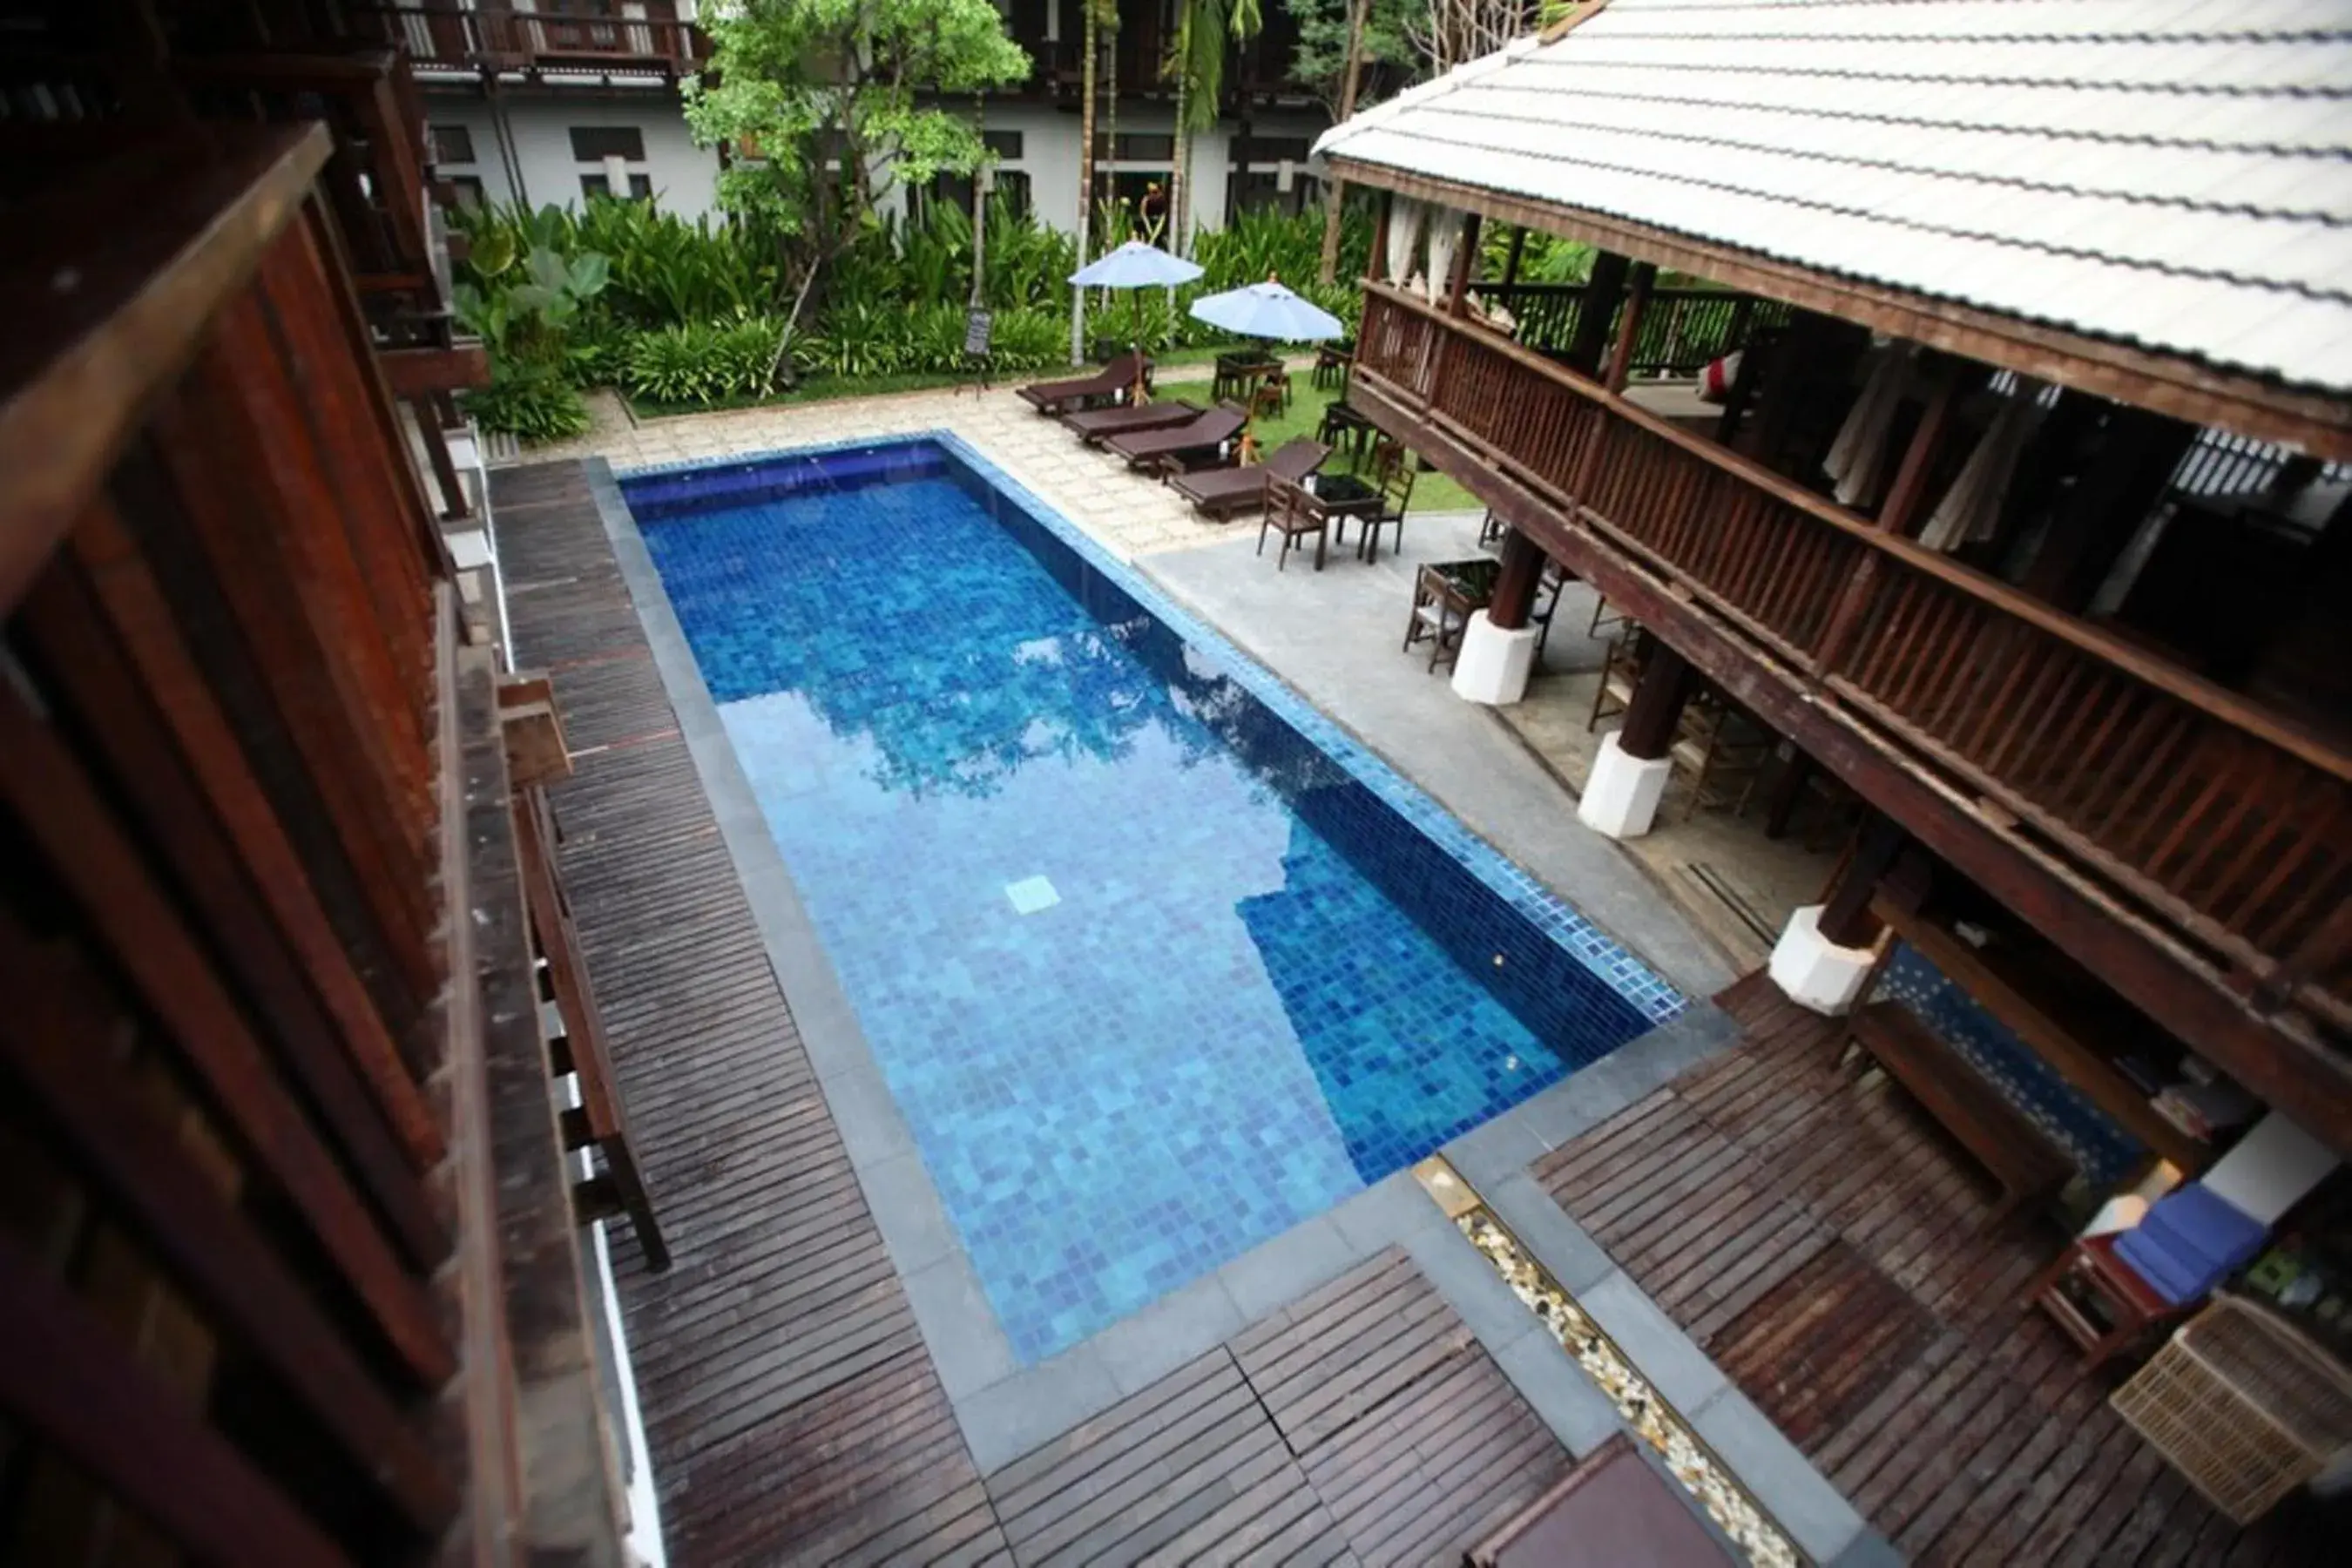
(1819, 1238)
(793, 1411)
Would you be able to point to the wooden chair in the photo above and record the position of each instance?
(1438, 619)
(1293, 513)
(1621, 665)
(1491, 531)
(1394, 472)
(1271, 396)
(1333, 362)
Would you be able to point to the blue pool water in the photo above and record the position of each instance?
(1156, 963)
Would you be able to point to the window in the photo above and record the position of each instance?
(465, 191)
(1012, 192)
(452, 144)
(1005, 144)
(594, 143)
(641, 186)
(1251, 192)
(1140, 147)
(1273, 149)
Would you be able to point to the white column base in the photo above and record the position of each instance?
(1620, 797)
(1815, 972)
(1494, 664)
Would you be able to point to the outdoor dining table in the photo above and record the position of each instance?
(1342, 496)
(1445, 594)
(1239, 375)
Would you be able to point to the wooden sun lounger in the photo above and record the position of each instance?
(1101, 423)
(1204, 433)
(1074, 393)
(1224, 493)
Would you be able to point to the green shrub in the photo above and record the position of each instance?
(742, 354)
(534, 403)
(675, 364)
(858, 341)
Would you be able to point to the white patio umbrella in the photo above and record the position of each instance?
(1268, 309)
(1136, 266)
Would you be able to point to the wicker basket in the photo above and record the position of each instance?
(2244, 1405)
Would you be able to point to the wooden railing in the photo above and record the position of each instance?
(445, 36)
(289, 1250)
(2220, 818)
(1682, 329)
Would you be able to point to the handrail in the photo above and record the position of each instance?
(76, 375)
(525, 33)
(2214, 701)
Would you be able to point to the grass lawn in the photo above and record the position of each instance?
(1430, 492)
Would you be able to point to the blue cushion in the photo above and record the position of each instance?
(2190, 1242)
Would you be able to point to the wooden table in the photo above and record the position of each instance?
(1445, 594)
(1237, 375)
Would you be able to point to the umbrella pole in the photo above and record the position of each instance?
(1139, 345)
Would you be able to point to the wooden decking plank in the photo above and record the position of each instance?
(792, 1408)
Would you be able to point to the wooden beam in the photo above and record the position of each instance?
(1847, 918)
(2144, 964)
(536, 750)
(1583, 354)
(81, 364)
(411, 374)
(1654, 711)
(1465, 267)
(1515, 584)
(1629, 327)
(2318, 423)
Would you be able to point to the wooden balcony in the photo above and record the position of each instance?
(2152, 822)
(444, 35)
(289, 1270)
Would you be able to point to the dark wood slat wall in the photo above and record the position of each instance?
(1818, 1236)
(792, 1411)
(260, 934)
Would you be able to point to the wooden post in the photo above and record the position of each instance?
(1599, 302)
(1656, 709)
(1847, 918)
(1629, 326)
(1377, 267)
(1336, 196)
(1511, 257)
(1465, 264)
(1948, 380)
(1516, 584)
(2135, 461)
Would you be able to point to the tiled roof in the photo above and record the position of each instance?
(2173, 173)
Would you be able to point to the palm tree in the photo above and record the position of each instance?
(1096, 12)
(1204, 30)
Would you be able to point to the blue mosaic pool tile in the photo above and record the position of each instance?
(1270, 972)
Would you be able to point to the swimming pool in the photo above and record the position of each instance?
(1155, 961)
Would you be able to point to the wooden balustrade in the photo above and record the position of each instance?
(2222, 821)
(290, 1249)
(1682, 329)
(448, 37)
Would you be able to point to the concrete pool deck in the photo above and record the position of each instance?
(1333, 637)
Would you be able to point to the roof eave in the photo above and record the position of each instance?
(2175, 384)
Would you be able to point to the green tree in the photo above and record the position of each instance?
(1206, 31)
(831, 104)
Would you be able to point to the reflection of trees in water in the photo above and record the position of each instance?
(977, 683)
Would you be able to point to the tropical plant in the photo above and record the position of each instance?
(674, 365)
(831, 102)
(1205, 31)
(530, 401)
(524, 312)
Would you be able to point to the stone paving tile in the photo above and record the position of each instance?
(1129, 513)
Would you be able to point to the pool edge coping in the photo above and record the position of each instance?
(1004, 1410)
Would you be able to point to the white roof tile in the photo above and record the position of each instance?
(2172, 173)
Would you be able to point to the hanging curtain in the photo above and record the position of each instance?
(1405, 239)
(1857, 461)
(1445, 239)
(1971, 510)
